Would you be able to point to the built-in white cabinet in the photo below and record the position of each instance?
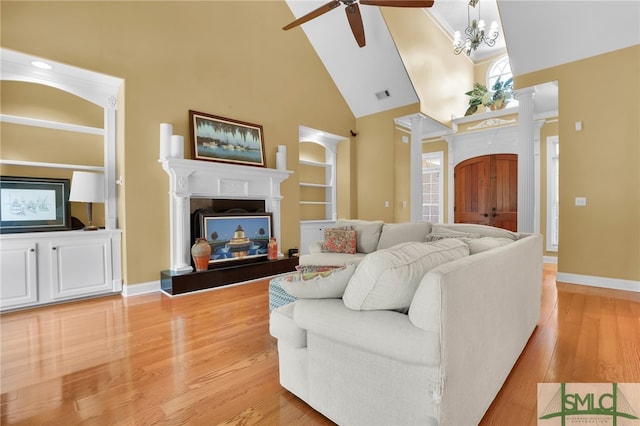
(47, 267)
(18, 273)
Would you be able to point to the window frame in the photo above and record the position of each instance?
(553, 200)
(436, 155)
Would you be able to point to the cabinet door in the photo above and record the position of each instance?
(504, 208)
(80, 266)
(18, 274)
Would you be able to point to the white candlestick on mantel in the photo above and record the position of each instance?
(166, 130)
(281, 160)
(177, 146)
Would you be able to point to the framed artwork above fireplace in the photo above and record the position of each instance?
(215, 138)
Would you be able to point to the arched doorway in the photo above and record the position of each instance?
(486, 191)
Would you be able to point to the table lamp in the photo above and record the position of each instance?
(87, 187)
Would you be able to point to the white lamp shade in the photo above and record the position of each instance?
(87, 187)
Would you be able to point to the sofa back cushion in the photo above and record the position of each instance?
(479, 245)
(396, 233)
(367, 233)
(388, 278)
(482, 230)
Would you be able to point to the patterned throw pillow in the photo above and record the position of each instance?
(326, 284)
(339, 241)
(306, 272)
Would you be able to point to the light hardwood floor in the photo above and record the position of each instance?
(208, 358)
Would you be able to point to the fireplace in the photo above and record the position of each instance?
(197, 183)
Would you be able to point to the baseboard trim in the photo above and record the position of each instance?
(593, 281)
(142, 288)
(550, 259)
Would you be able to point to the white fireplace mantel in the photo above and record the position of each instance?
(201, 179)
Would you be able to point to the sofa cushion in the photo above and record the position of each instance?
(367, 233)
(388, 278)
(443, 233)
(396, 233)
(319, 285)
(330, 259)
(483, 230)
(479, 245)
(283, 327)
(339, 240)
(386, 333)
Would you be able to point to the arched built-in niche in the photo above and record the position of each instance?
(99, 89)
(318, 183)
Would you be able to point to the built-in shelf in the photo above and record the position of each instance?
(52, 165)
(314, 185)
(36, 122)
(314, 163)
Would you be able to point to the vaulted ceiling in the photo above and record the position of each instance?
(537, 35)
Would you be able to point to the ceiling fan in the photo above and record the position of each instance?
(353, 13)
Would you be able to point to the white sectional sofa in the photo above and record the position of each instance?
(425, 333)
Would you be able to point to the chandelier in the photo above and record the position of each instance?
(475, 33)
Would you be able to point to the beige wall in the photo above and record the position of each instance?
(439, 77)
(377, 143)
(599, 163)
(225, 58)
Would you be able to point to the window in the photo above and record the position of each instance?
(432, 187)
(500, 68)
(553, 156)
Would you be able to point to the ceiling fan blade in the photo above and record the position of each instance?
(355, 21)
(313, 14)
(399, 3)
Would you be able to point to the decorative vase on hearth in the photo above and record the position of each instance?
(201, 252)
(272, 249)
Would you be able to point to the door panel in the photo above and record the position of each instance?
(504, 210)
(486, 191)
(472, 180)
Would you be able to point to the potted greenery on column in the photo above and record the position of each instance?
(496, 98)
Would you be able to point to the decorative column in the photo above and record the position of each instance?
(272, 205)
(179, 217)
(451, 196)
(526, 161)
(416, 167)
(110, 179)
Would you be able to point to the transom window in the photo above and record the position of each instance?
(500, 68)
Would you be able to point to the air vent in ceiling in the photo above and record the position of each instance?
(383, 95)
